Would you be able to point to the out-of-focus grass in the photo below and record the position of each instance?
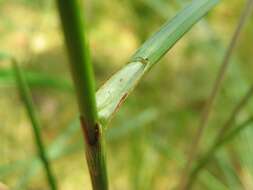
(176, 90)
(25, 95)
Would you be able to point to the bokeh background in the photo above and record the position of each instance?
(148, 138)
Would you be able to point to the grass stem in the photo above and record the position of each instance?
(36, 126)
(82, 74)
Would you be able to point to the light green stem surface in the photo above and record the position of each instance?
(84, 82)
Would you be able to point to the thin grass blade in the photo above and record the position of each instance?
(36, 79)
(27, 98)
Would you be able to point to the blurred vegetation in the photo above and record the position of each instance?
(148, 139)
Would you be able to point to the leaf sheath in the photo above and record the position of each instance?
(111, 95)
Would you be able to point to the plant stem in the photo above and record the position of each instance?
(27, 98)
(82, 74)
(223, 136)
(234, 132)
(194, 147)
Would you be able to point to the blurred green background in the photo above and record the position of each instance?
(148, 138)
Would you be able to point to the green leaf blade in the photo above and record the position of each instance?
(154, 48)
(116, 89)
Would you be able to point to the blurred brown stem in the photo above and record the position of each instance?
(221, 137)
(194, 147)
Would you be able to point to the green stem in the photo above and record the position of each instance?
(232, 134)
(82, 74)
(27, 98)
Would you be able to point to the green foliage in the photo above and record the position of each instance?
(36, 79)
(145, 146)
(111, 95)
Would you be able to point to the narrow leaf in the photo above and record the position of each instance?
(113, 93)
(37, 79)
(26, 97)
